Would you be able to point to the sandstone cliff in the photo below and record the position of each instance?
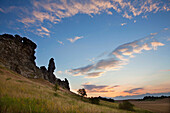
(17, 54)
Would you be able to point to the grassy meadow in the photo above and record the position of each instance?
(22, 95)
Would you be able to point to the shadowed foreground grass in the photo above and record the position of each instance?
(21, 95)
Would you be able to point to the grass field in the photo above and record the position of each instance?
(157, 106)
(22, 95)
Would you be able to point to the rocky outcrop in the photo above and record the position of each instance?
(17, 54)
(51, 68)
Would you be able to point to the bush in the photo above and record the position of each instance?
(56, 87)
(126, 105)
(94, 100)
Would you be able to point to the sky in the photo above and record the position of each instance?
(112, 48)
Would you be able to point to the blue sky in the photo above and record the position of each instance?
(109, 47)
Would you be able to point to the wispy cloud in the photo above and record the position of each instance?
(1, 10)
(72, 40)
(145, 16)
(134, 21)
(43, 31)
(60, 42)
(98, 57)
(91, 88)
(123, 24)
(27, 21)
(133, 91)
(52, 11)
(120, 56)
(94, 74)
(59, 72)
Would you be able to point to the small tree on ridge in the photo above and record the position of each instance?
(82, 92)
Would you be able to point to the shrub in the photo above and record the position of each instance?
(126, 105)
(94, 100)
(56, 87)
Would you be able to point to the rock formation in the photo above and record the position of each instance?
(51, 68)
(17, 54)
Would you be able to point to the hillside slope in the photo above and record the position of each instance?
(20, 94)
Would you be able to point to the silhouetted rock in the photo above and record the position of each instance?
(63, 84)
(17, 54)
(51, 68)
(45, 73)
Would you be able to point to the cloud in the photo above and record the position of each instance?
(1, 10)
(94, 74)
(43, 31)
(91, 88)
(107, 64)
(133, 91)
(102, 54)
(27, 21)
(82, 70)
(52, 11)
(72, 40)
(153, 33)
(156, 44)
(145, 16)
(60, 42)
(128, 9)
(123, 24)
(59, 72)
(120, 56)
(104, 65)
(99, 56)
(134, 21)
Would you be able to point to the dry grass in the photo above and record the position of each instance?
(19, 94)
(157, 106)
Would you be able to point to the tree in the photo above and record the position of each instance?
(82, 92)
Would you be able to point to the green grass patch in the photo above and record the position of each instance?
(19, 81)
(8, 79)
(21, 105)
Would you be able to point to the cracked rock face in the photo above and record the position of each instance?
(17, 54)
